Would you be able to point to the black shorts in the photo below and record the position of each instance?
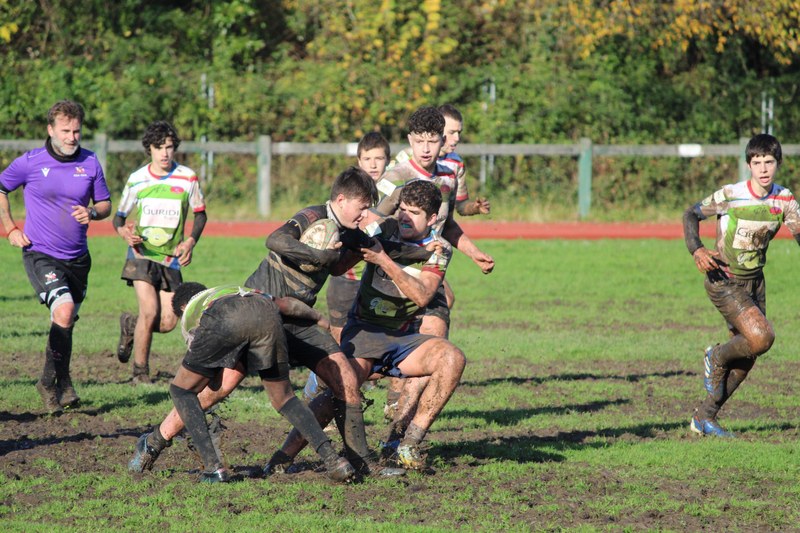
(159, 276)
(234, 328)
(342, 293)
(438, 306)
(308, 343)
(733, 296)
(51, 278)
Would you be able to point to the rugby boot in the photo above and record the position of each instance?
(714, 375)
(220, 475)
(127, 323)
(388, 451)
(68, 398)
(141, 375)
(709, 427)
(279, 463)
(339, 469)
(49, 397)
(144, 455)
(410, 457)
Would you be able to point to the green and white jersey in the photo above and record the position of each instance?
(380, 302)
(201, 301)
(160, 205)
(746, 223)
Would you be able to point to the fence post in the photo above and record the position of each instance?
(584, 177)
(101, 150)
(744, 171)
(264, 184)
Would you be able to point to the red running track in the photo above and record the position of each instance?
(482, 230)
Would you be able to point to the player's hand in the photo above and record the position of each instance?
(484, 261)
(482, 206)
(374, 254)
(128, 234)
(705, 259)
(82, 214)
(435, 246)
(17, 238)
(184, 251)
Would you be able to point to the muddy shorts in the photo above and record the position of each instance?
(159, 276)
(342, 293)
(732, 296)
(308, 343)
(51, 278)
(388, 348)
(234, 328)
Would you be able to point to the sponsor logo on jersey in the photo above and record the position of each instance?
(775, 210)
(382, 307)
(79, 172)
(176, 189)
(160, 212)
(45, 171)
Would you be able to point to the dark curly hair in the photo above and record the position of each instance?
(183, 293)
(355, 183)
(157, 133)
(68, 108)
(426, 119)
(422, 194)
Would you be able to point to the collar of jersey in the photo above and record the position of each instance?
(767, 195)
(168, 174)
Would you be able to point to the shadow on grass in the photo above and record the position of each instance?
(528, 448)
(575, 377)
(7, 446)
(514, 416)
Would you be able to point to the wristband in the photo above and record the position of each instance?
(11, 231)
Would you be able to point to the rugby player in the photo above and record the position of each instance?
(159, 196)
(749, 214)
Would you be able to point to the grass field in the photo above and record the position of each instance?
(584, 366)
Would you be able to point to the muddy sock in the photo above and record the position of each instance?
(392, 396)
(188, 407)
(736, 375)
(156, 440)
(350, 420)
(414, 434)
(60, 343)
(139, 370)
(48, 378)
(301, 417)
(397, 430)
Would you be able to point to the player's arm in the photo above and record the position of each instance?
(453, 233)
(85, 214)
(16, 237)
(292, 307)
(704, 259)
(184, 249)
(285, 241)
(420, 290)
(468, 208)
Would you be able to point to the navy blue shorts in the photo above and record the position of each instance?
(388, 348)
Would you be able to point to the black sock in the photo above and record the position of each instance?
(301, 417)
(194, 419)
(414, 434)
(350, 420)
(156, 440)
(60, 343)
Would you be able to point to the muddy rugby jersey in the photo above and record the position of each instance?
(391, 183)
(201, 301)
(746, 223)
(451, 160)
(161, 204)
(52, 184)
(379, 301)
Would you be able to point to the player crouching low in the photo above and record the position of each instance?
(234, 328)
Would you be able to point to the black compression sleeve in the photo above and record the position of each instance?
(301, 417)
(411, 252)
(691, 228)
(285, 242)
(118, 221)
(200, 219)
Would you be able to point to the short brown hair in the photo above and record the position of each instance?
(370, 141)
(68, 108)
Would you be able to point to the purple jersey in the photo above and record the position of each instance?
(51, 188)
